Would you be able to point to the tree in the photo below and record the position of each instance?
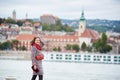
(10, 20)
(54, 49)
(1, 46)
(101, 45)
(7, 45)
(59, 49)
(15, 44)
(89, 48)
(23, 48)
(58, 23)
(19, 23)
(83, 46)
(97, 45)
(57, 27)
(75, 47)
(104, 38)
(2, 20)
(68, 47)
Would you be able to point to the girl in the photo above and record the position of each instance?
(36, 57)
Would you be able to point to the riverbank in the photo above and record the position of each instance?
(64, 57)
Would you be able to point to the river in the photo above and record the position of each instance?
(21, 69)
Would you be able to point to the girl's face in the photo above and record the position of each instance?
(37, 40)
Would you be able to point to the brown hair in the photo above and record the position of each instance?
(33, 41)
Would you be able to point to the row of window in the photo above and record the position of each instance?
(86, 57)
(68, 40)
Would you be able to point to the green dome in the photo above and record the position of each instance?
(82, 16)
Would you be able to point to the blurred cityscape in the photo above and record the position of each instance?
(75, 33)
(61, 35)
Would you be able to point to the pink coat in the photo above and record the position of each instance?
(34, 53)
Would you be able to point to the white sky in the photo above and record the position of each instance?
(65, 9)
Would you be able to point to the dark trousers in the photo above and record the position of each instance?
(34, 77)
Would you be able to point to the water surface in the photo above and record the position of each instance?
(60, 70)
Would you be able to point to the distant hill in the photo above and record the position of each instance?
(100, 25)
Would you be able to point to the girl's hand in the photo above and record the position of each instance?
(35, 67)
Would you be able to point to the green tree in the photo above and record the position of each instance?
(89, 48)
(10, 20)
(75, 47)
(58, 23)
(23, 48)
(83, 46)
(68, 47)
(15, 44)
(19, 23)
(1, 46)
(7, 45)
(101, 45)
(54, 49)
(2, 20)
(104, 38)
(97, 45)
(57, 27)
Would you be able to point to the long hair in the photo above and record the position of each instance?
(33, 41)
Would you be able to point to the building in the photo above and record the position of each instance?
(114, 41)
(86, 35)
(14, 15)
(37, 26)
(82, 24)
(25, 40)
(83, 35)
(48, 19)
(26, 30)
(57, 41)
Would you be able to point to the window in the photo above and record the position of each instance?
(68, 57)
(51, 57)
(77, 57)
(68, 40)
(64, 39)
(59, 56)
(57, 39)
(71, 39)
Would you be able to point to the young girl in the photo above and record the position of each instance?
(37, 57)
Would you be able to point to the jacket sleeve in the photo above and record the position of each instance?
(33, 54)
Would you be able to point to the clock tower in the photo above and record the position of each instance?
(82, 24)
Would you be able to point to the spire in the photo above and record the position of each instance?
(26, 16)
(82, 15)
(82, 12)
(14, 14)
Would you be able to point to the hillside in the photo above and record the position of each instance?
(97, 24)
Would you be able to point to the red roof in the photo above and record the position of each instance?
(25, 37)
(90, 33)
(37, 24)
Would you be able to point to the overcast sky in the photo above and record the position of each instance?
(66, 9)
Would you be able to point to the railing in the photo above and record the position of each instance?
(64, 57)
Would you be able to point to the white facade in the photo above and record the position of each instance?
(82, 27)
(87, 40)
(82, 57)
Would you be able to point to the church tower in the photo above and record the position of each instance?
(26, 16)
(14, 14)
(82, 24)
